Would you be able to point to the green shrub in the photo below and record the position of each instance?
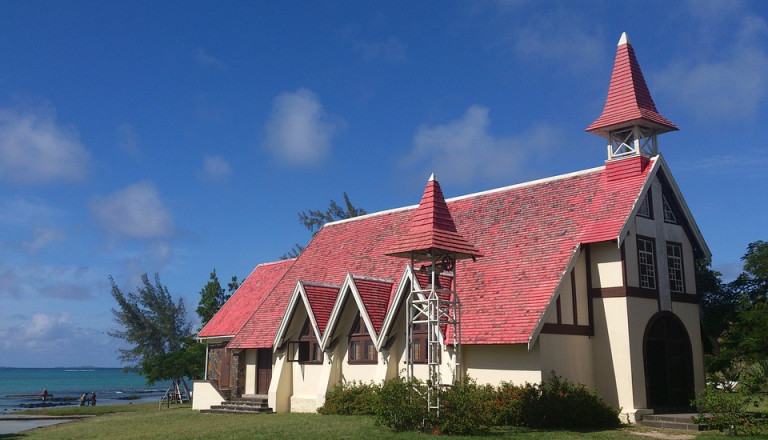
(724, 411)
(401, 405)
(466, 408)
(353, 398)
(510, 402)
(561, 404)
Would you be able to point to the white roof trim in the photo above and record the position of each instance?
(468, 196)
(290, 310)
(568, 268)
(397, 299)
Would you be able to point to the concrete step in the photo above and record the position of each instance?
(241, 405)
(235, 411)
(680, 422)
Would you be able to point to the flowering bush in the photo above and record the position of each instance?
(402, 405)
(724, 411)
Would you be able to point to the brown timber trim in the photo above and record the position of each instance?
(559, 311)
(567, 329)
(685, 298)
(622, 291)
(590, 294)
(574, 299)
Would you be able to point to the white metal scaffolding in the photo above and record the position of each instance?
(438, 309)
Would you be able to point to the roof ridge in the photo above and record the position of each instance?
(470, 195)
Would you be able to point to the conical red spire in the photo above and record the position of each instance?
(432, 229)
(629, 102)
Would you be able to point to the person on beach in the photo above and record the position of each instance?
(82, 399)
(45, 394)
(93, 399)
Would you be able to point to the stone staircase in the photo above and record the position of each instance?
(680, 422)
(241, 405)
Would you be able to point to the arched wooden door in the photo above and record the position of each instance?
(668, 364)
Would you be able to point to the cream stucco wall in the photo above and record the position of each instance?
(205, 395)
(569, 356)
(607, 269)
(250, 371)
(493, 364)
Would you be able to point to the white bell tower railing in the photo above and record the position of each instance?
(632, 141)
(433, 307)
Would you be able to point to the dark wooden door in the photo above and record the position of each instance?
(263, 370)
(668, 365)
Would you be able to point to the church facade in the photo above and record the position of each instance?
(589, 275)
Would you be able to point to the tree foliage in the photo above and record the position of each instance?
(152, 323)
(743, 342)
(213, 296)
(314, 219)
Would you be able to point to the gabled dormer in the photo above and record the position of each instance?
(630, 121)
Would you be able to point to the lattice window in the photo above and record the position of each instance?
(669, 214)
(309, 349)
(646, 263)
(361, 348)
(420, 343)
(645, 207)
(675, 265)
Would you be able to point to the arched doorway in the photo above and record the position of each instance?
(668, 364)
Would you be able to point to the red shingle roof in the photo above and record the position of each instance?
(321, 299)
(235, 312)
(432, 229)
(527, 233)
(376, 295)
(629, 102)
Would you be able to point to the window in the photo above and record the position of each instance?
(669, 214)
(361, 348)
(645, 207)
(646, 261)
(309, 349)
(675, 265)
(419, 343)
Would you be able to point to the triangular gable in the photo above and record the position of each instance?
(236, 311)
(371, 296)
(308, 294)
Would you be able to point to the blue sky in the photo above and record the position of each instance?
(177, 137)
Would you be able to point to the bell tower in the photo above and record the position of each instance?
(433, 302)
(629, 122)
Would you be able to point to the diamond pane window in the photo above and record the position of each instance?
(669, 215)
(646, 263)
(675, 264)
(645, 207)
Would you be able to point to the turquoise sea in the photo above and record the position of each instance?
(111, 386)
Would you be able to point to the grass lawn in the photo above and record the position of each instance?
(145, 421)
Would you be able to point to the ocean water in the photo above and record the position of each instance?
(111, 386)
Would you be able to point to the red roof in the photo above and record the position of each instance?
(321, 298)
(528, 234)
(432, 229)
(629, 102)
(376, 294)
(235, 312)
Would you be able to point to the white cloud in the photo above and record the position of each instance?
(128, 139)
(134, 212)
(34, 149)
(207, 59)
(391, 51)
(463, 149)
(43, 236)
(727, 84)
(298, 129)
(216, 168)
(568, 47)
(53, 281)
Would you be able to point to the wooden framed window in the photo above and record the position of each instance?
(646, 262)
(307, 349)
(669, 213)
(420, 340)
(675, 265)
(361, 348)
(645, 209)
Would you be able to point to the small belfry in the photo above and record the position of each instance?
(630, 121)
(434, 242)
